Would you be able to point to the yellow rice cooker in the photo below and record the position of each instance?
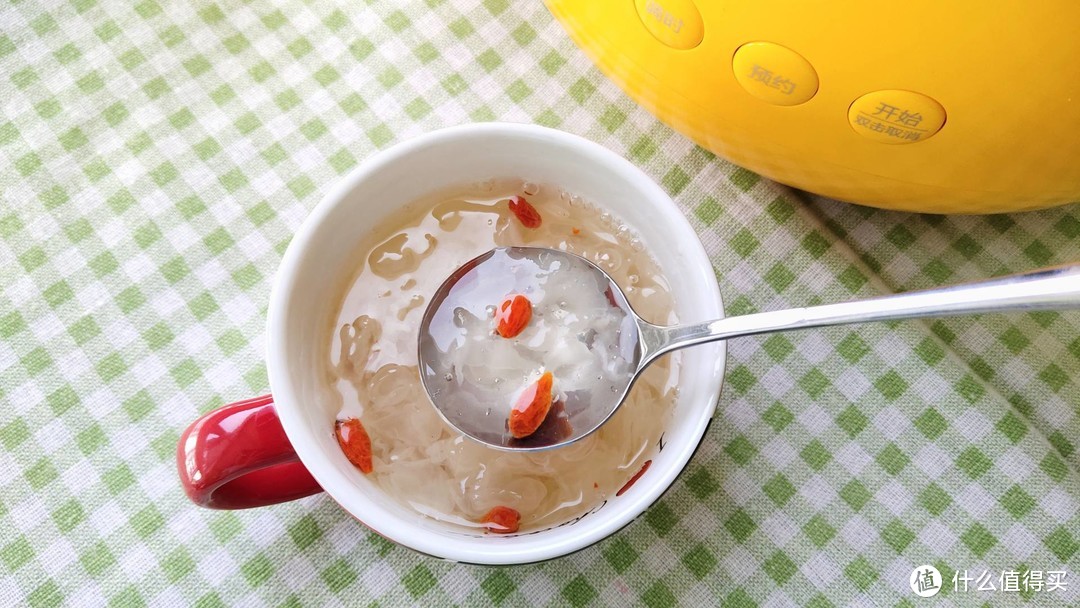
(938, 107)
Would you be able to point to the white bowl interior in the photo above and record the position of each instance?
(320, 258)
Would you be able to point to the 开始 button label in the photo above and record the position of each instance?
(896, 116)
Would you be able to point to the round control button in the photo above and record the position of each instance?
(775, 74)
(676, 23)
(896, 117)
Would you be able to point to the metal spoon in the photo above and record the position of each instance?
(481, 412)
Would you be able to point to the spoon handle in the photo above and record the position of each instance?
(1056, 288)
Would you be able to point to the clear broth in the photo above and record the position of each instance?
(418, 459)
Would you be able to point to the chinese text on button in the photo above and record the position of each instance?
(776, 81)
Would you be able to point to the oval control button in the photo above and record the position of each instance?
(676, 23)
(896, 117)
(774, 73)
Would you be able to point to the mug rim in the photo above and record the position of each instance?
(286, 396)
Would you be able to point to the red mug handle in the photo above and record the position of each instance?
(238, 456)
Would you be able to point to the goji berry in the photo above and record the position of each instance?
(555, 428)
(531, 407)
(525, 212)
(502, 520)
(512, 316)
(354, 442)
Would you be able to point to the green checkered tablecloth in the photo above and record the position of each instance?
(155, 158)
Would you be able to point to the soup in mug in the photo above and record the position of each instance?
(389, 428)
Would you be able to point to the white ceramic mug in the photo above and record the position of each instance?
(271, 449)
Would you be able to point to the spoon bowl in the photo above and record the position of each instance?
(612, 344)
(478, 407)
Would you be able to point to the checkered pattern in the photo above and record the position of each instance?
(155, 158)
